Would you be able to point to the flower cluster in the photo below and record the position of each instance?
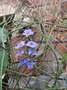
(31, 45)
(27, 62)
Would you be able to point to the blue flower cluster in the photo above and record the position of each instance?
(26, 62)
(30, 50)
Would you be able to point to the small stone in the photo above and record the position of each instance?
(42, 82)
(61, 84)
(27, 19)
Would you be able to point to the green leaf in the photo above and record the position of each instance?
(3, 53)
(3, 33)
(3, 64)
(3, 61)
(64, 59)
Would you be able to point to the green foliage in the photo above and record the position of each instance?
(3, 54)
(64, 59)
(3, 34)
(3, 61)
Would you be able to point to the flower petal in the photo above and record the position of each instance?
(20, 53)
(20, 64)
(28, 32)
(30, 66)
(32, 52)
(32, 44)
(21, 44)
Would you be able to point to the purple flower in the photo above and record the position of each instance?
(20, 53)
(32, 52)
(22, 43)
(23, 62)
(30, 63)
(27, 62)
(32, 44)
(28, 32)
